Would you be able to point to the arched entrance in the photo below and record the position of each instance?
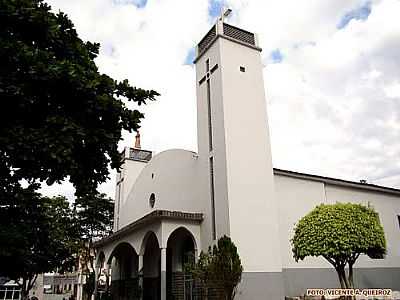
(181, 252)
(123, 263)
(151, 268)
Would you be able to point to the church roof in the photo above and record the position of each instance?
(338, 182)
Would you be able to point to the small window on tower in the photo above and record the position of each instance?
(398, 218)
(242, 69)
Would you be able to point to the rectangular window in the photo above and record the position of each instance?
(398, 219)
(118, 206)
(208, 65)
(210, 139)
(242, 69)
(119, 197)
(212, 191)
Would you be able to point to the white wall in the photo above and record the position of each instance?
(174, 183)
(244, 193)
(297, 197)
(125, 179)
(218, 152)
(252, 202)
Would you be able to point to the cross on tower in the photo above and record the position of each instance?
(208, 71)
(206, 77)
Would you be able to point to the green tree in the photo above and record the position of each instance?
(220, 268)
(60, 118)
(340, 233)
(95, 218)
(202, 270)
(41, 236)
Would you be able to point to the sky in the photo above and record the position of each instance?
(331, 75)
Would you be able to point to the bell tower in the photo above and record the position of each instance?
(133, 161)
(235, 151)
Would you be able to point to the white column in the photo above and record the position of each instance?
(108, 278)
(96, 275)
(140, 274)
(163, 273)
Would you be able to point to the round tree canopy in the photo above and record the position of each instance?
(338, 231)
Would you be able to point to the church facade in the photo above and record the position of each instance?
(171, 206)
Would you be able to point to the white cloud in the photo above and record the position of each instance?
(393, 90)
(347, 118)
(334, 104)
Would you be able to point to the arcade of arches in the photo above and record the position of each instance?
(151, 273)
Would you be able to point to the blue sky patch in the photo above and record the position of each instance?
(108, 49)
(214, 7)
(140, 3)
(360, 13)
(137, 3)
(303, 44)
(276, 56)
(190, 57)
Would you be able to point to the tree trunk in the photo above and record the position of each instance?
(345, 279)
(351, 280)
(24, 292)
(346, 282)
(94, 289)
(27, 284)
(340, 272)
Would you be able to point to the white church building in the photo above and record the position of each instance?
(171, 206)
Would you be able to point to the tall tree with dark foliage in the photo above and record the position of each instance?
(41, 236)
(60, 119)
